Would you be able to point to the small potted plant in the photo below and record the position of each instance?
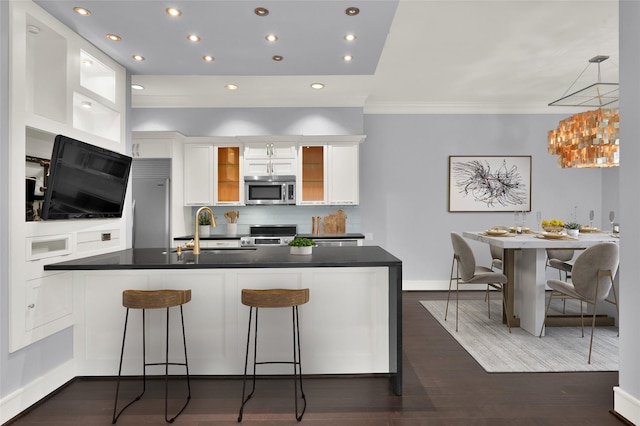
(204, 224)
(301, 245)
(573, 228)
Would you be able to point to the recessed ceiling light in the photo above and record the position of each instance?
(347, 58)
(350, 37)
(138, 57)
(317, 86)
(231, 87)
(172, 11)
(86, 104)
(271, 37)
(277, 58)
(137, 87)
(82, 11)
(193, 37)
(261, 11)
(208, 58)
(87, 62)
(113, 37)
(352, 11)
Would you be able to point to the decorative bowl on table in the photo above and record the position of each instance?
(553, 228)
(497, 232)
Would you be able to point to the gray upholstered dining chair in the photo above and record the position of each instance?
(466, 272)
(591, 281)
(562, 260)
(496, 256)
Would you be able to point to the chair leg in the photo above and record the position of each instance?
(166, 371)
(488, 297)
(117, 414)
(446, 309)
(593, 327)
(246, 363)
(297, 365)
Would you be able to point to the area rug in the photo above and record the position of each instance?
(488, 341)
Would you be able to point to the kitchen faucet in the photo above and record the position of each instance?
(196, 233)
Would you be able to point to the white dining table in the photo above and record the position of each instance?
(524, 265)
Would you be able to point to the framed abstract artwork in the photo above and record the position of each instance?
(489, 183)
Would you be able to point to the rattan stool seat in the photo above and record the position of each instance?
(154, 299)
(275, 298)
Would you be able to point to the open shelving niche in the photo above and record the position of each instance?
(60, 84)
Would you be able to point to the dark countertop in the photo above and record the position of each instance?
(260, 257)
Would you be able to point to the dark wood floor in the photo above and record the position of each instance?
(443, 385)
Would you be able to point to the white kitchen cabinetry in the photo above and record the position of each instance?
(329, 170)
(146, 148)
(59, 84)
(198, 174)
(213, 171)
(269, 155)
(342, 174)
(220, 243)
(341, 335)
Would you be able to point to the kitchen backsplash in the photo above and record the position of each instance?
(275, 215)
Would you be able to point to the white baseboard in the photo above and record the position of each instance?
(436, 285)
(626, 405)
(23, 398)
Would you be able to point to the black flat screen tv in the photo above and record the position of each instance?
(85, 181)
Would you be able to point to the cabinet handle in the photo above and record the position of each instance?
(31, 306)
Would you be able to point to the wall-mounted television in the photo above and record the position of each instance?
(85, 181)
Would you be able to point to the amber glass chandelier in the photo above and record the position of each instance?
(588, 139)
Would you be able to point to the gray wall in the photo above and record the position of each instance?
(404, 182)
(630, 202)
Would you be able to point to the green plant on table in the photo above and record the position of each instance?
(204, 219)
(572, 225)
(301, 242)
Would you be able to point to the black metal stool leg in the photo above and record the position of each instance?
(246, 362)
(144, 376)
(166, 377)
(297, 364)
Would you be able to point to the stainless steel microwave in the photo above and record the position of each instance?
(270, 190)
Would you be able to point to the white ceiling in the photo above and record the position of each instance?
(453, 56)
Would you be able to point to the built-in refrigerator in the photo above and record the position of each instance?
(151, 190)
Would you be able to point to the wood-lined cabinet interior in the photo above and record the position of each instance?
(229, 181)
(312, 174)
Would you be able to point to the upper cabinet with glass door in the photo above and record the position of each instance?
(228, 188)
(329, 170)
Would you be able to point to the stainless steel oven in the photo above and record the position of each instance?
(267, 190)
(269, 235)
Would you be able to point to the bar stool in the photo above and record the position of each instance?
(154, 299)
(275, 298)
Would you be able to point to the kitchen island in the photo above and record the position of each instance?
(351, 325)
